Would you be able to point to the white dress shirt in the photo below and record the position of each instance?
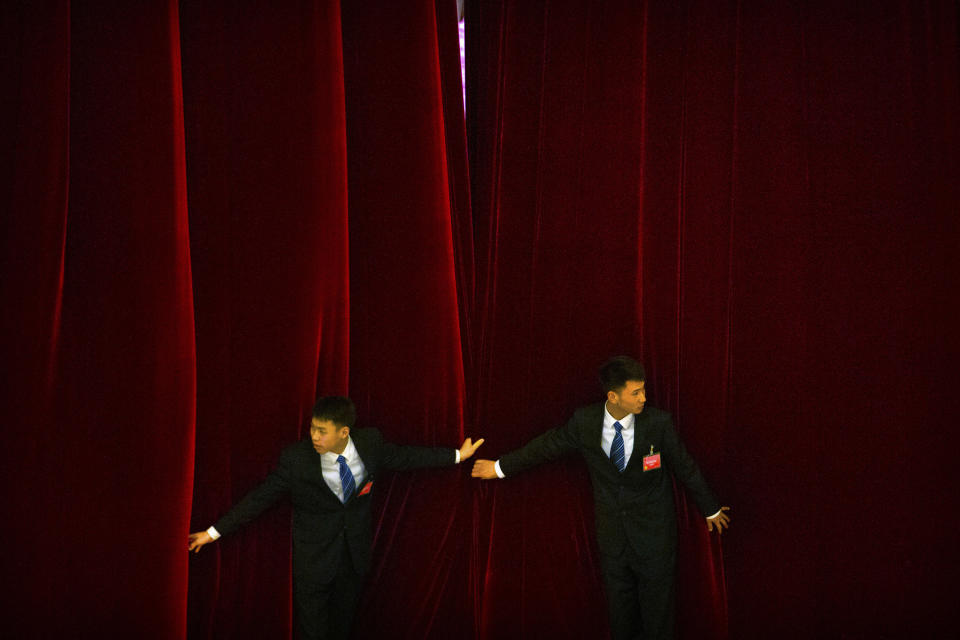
(609, 431)
(331, 468)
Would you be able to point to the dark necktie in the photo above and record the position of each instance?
(616, 449)
(346, 477)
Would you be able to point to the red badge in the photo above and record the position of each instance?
(368, 486)
(651, 462)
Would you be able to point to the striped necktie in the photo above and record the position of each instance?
(346, 477)
(616, 449)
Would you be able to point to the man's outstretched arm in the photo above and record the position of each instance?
(268, 492)
(549, 445)
(406, 457)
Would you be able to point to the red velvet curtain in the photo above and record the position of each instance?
(98, 329)
(212, 212)
(759, 199)
(177, 281)
(407, 186)
(268, 209)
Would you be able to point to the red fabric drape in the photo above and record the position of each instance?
(760, 200)
(406, 369)
(34, 173)
(212, 213)
(555, 150)
(266, 152)
(99, 313)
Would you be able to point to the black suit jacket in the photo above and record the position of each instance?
(322, 525)
(634, 507)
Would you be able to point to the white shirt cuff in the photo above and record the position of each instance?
(714, 515)
(456, 453)
(496, 467)
(213, 533)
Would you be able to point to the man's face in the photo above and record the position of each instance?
(629, 399)
(328, 436)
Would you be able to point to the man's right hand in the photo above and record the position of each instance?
(199, 539)
(484, 469)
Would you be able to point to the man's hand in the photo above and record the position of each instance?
(484, 469)
(468, 448)
(199, 539)
(721, 521)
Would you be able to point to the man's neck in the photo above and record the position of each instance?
(342, 447)
(616, 412)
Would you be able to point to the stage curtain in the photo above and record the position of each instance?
(98, 317)
(34, 161)
(267, 186)
(407, 185)
(554, 140)
(213, 212)
(177, 280)
(759, 200)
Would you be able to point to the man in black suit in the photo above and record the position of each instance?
(329, 478)
(630, 451)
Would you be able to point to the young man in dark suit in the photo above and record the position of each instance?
(630, 450)
(329, 478)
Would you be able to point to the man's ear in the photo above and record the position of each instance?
(345, 431)
(611, 396)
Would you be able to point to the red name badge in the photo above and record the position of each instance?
(651, 462)
(366, 489)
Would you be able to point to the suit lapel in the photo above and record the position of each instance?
(594, 435)
(639, 441)
(596, 438)
(593, 428)
(314, 469)
(364, 449)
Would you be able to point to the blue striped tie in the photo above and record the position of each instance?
(616, 449)
(346, 477)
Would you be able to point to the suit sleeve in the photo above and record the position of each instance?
(259, 499)
(685, 468)
(550, 445)
(404, 457)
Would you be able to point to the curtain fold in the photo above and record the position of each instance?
(408, 269)
(98, 264)
(268, 213)
(34, 176)
(554, 113)
(126, 377)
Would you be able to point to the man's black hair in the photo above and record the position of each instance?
(337, 409)
(616, 371)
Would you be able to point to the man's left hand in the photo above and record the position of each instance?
(468, 448)
(721, 521)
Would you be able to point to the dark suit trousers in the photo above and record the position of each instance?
(325, 610)
(640, 595)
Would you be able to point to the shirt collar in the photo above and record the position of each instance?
(349, 452)
(608, 420)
